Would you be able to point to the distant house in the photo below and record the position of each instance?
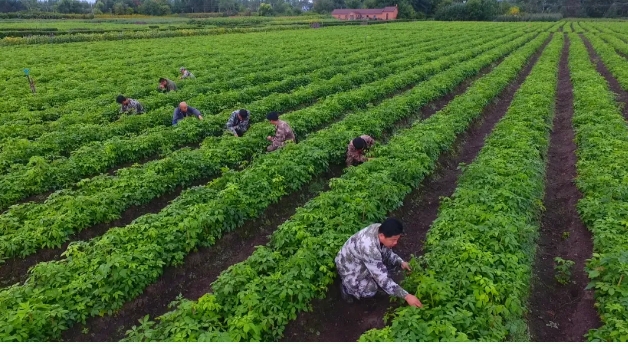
(386, 13)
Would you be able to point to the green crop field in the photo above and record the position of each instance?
(502, 147)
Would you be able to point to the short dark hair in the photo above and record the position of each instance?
(120, 99)
(273, 116)
(359, 143)
(162, 80)
(391, 227)
(243, 113)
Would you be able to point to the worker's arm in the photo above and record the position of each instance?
(231, 123)
(175, 118)
(391, 257)
(379, 272)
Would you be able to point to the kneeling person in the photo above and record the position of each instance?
(129, 106)
(362, 261)
(283, 132)
(357, 148)
(238, 122)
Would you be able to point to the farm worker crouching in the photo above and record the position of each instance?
(129, 106)
(182, 111)
(167, 85)
(356, 149)
(238, 122)
(185, 73)
(364, 260)
(283, 132)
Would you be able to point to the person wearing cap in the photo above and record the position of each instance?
(185, 73)
(167, 85)
(183, 111)
(283, 132)
(365, 260)
(129, 106)
(357, 148)
(238, 122)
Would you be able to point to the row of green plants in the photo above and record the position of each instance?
(229, 78)
(126, 35)
(106, 197)
(66, 87)
(254, 299)
(99, 276)
(617, 65)
(602, 150)
(234, 70)
(40, 175)
(99, 157)
(224, 95)
(474, 278)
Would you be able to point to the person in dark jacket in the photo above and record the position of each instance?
(167, 85)
(182, 111)
(238, 122)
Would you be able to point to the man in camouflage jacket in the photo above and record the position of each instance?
(362, 261)
(238, 122)
(283, 132)
(129, 106)
(356, 148)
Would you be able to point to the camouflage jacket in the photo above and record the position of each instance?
(361, 264)
(353, 155)
(283, 133)
(133, 107)
(234, 123)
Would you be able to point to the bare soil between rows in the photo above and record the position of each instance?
(15, 270)
(200, 268)
(334, 320)
(562, 312)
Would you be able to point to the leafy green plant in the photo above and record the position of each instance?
(562, 268)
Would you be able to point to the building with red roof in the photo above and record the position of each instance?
(386, 13)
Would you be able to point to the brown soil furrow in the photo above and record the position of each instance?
(334, 320)
(621, 96)
(562, 312)
(15, 270)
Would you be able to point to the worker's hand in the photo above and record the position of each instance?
(413, 301)
(406, 266)
(235, 134)
(200, 117)
(269, 138)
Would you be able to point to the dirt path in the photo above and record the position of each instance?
(562, 312)
(15, 270)
(334, 320)
(621, 96)
(200, 268)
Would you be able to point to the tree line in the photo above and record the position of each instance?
(408, 9)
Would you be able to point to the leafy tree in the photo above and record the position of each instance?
(265, 9)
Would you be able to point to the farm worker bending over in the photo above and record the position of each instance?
(182, 111)
(364, 260)
(185, 73)
(167, 85)
(238, 122)
(129, 106)
(283, 132)
(355, 151)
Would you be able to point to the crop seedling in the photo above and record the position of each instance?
(562, 268)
